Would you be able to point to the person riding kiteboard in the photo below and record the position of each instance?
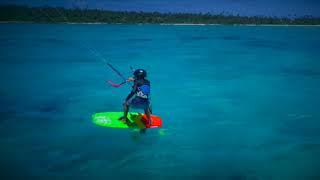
(139, 97)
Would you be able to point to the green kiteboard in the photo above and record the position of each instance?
(111, 120)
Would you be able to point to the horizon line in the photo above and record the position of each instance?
(224, 13)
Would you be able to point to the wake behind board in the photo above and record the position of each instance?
(136, 120)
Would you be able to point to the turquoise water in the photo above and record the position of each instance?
(237, 102)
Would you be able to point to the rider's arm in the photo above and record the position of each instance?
(130, 79)
(130, 96)
(134, 89)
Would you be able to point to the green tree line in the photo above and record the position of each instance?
(62, 15)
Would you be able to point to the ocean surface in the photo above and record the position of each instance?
(237, 102)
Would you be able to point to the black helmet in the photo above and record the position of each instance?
(140, 73)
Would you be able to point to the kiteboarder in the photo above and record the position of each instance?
(139, 95)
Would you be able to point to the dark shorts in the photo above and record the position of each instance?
(139, 103)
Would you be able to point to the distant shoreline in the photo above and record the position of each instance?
(60, 15)
(162, 24)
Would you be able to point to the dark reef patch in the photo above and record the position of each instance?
(230, 38)
(139, 39)
(260, 43)
(300, 71)
(193, 39)
(301, 127)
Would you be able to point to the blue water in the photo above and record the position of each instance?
(237, 102)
